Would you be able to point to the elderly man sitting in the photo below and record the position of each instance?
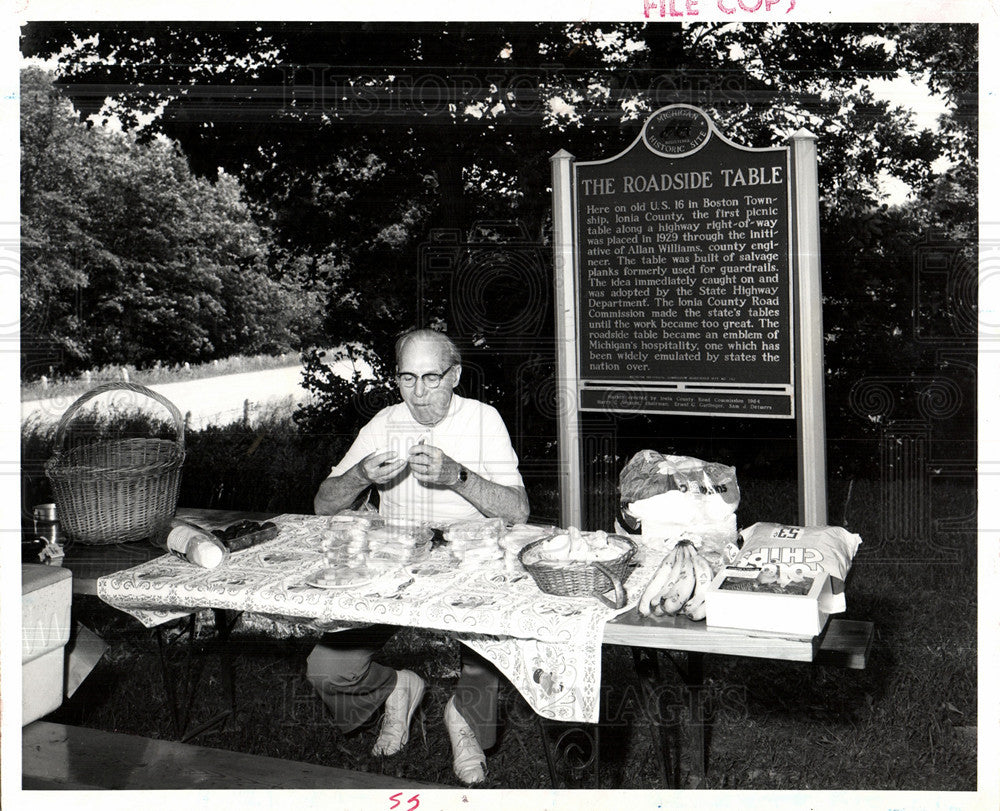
(435, 457)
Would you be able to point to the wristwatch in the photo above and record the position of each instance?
(463, 476)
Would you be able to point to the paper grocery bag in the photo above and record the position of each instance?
(83, 652)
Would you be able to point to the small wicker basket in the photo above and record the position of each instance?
(582, 578)
(115, 491)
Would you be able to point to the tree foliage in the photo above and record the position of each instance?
(369, 150)
(127, 257)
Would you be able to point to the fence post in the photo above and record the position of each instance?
(905, 503)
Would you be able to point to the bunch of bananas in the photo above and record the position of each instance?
(679, 585)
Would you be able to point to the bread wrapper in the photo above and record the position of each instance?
(475, 532)
(676, 489)
(476, 542)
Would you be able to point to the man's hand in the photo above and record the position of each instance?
(337, 493)
(432, 465)
(378, 468)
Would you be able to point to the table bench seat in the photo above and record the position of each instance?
(57, 756)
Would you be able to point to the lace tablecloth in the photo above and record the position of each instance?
(548, 647)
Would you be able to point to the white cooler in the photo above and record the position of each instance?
(46, 597)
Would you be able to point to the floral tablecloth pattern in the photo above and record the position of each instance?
(548, 646)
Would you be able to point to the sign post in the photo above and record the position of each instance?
(811, 413)
(683, 265)
(567, 383)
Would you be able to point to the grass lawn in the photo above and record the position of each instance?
(901, 724)
(74, 386)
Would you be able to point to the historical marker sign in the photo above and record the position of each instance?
(684, 289)
(687, 281)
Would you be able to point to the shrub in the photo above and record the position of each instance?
(339, 404)
(266, 466)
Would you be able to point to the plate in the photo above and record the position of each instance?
(321, 581)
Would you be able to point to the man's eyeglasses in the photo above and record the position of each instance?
(431, 380)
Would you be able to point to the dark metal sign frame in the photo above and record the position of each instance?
(683, 256)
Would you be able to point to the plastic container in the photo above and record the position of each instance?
(195, 544)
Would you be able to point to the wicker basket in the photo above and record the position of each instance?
(114, 491)
(583, 578)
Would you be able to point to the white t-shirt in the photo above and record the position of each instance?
(472, 433)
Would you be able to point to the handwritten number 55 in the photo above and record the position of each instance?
(414, 802)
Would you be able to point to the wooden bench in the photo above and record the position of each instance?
(57, 756)
(845, 643)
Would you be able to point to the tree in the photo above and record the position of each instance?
(129, 258)
(377, 108)
(57, 247)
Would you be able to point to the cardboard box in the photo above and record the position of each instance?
(730, 604)
(46, 598)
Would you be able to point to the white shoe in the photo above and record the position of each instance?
(399, 708)
(468, 759)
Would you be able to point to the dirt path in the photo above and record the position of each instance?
(210, 400)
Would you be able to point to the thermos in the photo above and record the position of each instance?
(45, 542)
(47, 523)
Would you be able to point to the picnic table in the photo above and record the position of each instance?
(549, 647)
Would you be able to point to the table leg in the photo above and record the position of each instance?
(699, 713)
(699, 710)
(224, 622)
(549, 757)
(567, 752)
(169, 685)
(647, 670)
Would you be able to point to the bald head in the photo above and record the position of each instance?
(430, 367)
(431, 339)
